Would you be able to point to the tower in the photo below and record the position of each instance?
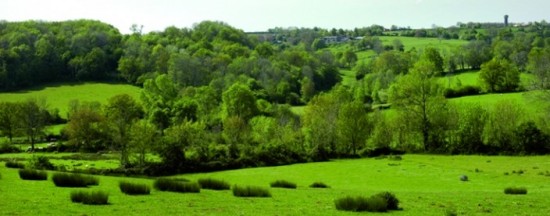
(506, 20)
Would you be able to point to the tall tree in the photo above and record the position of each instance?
(122, 111)
(499, 75)
(352, 127)
(33, 119)
(9, 122)
(418, 98)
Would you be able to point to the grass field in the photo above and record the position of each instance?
(58, 96)
(421, 43)
(424, 184)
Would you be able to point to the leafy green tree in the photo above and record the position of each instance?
(431, 54)
(418, 97)
(469, 135)
(318, 44)
(177, 138)
(122, 111)
(349, 57)
(9, 122)
(502, 122)
(476, 53)
(33, 119)
(239, 101)
(236, 131)
(87, 127)
(352, 127)
(382, 133)
(539, 65)
(143, 138)
(499, 76)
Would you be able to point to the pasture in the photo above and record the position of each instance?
(424, 185)
(59, 96)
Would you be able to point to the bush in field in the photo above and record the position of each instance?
(90, 198)
(391, 200)
(515, 190)
(73, 180)
(40, 163)
(380, 202)
(319, 185)
(164, 184)
(15, 164)
(250, 191)
(283, 184)
(28, 174)
(213, 184)
(134, 188)
(361, 203)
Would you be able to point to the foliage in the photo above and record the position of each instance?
(499, 76)
(466, 90)
(250, 191)
(283, 184)
(73, 180)
(6, 147)
(87, 129)
(361, 203)
(122, 111)
(213, 184)
(31, 174)
(40, 163)
(14, 164)
(515, 190)
(318, 185)
(391, 200)
(134, 188)
(90, 198)
(164, 184)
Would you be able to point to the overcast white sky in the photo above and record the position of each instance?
(259, 15)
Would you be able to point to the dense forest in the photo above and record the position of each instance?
(215, 97)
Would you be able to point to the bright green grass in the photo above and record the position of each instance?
(58, 96)
(472, 78)
(298, 110)
(421, 43)
(529, 101)
(424, 184)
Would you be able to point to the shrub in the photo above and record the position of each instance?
(40, 162)
(165, 184)
(283, 184)
(134, 188)
(6, 147)
(463, 91)
(391, 200)
(90, 198)
(515, 190)
(360, 203)
(250, 191)
(73, 180)
(214, 184)
(15, 164)
(28, 174)
(463, 178)
(319, 185)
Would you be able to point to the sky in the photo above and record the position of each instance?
(260, 15)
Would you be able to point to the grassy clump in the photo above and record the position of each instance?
(134, 188)
(213, 184)
(319, 185)
(360, 203)
(28, 174)
(164, 184)
(380, 202)
(73, 180)
(90, 198)
(515, 190)
(250, 191)
(14, 164)
(283, 184)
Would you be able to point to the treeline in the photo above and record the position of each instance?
(34, 52)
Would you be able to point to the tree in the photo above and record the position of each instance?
(499, 76)
(240, 101)
(431, 54)
(418, 97)
(349, 58)
(9, 122)
(469, 134)
(176, 139)
(501, 125)
(539, 65)
(352, 127)
(87, 128)
(33, 119)
(122, 111)
(476, 53)
(143, 137)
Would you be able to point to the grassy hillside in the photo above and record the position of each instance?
(424, 184)
(421, 43)
(58, 96)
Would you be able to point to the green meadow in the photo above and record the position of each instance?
(424, 185)
(59, 96)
